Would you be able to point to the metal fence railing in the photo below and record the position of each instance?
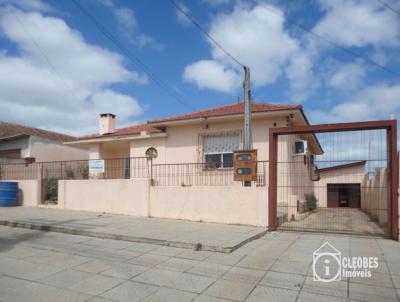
(201, 174)
(181, 174)
(117, 168)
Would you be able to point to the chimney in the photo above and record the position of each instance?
(106, 123)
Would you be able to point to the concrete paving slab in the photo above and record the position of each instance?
(170, 295)
(337, 288)
(190, 282)
(65, 278)
(244, 275)
(292, 267)
(94, 266)
(265, 293)
(149, 260)
(232, 290)
(283, 280)
(156, 276)
(124, 270)
(371, 293)
(311, 297)
(258, 262)
(214, 277)
(204, 298)
(36, 292)
(130, 292)
(167, 232)
(177, 264)
(95, 285)
(209, 269)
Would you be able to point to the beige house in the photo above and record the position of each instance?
(207, 136)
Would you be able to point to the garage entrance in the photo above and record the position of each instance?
(344, 195)
(339, 178)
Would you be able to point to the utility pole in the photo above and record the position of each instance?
(248, 138)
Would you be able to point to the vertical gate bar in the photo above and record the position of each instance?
(394, 177)
(272, 189)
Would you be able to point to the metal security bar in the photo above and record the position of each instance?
(337, 184)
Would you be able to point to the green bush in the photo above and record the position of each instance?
(51, 186)
(310, 203)
(70, 174)
(84, 172)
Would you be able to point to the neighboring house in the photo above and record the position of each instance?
(19, 143)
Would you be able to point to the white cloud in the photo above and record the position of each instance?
(358, 23)
(371, 103)
(128, 26)
(210, 74)
(302, 81)
(347, 77)
(36, 5)
(256, 37)
(67, 93)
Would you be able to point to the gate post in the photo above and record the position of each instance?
(272, 180)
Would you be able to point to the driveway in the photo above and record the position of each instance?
(47, 266)
(339, 220)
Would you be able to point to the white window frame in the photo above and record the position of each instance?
(222, 158)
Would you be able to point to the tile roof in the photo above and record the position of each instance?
(226, 110)
(136, 129)
(10, 130)
(231, 109)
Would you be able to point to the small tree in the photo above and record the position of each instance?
(310, 203)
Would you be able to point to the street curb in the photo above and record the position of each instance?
(72, 231)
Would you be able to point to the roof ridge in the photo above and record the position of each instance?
(31, 129)
(195, 114)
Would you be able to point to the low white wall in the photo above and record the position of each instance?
(221, 204)
(29, 192)
(117, 196)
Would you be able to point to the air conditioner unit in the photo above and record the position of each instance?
(300, 147)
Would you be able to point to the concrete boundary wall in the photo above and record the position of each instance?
(116, 196)
(220, 204)
(29, 192)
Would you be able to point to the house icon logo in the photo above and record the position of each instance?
(327, 262)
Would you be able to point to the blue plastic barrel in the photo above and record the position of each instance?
(8, 194)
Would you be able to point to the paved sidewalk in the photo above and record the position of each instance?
(38, 266)
(176, 233)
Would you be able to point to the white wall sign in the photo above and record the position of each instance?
(96, 166)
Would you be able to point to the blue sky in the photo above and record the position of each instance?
(57, 71)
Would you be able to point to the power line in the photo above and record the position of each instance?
(133, 57)
(388, 6)
(200, 28)
(349, 51)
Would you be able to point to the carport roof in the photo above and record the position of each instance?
(343, 166)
